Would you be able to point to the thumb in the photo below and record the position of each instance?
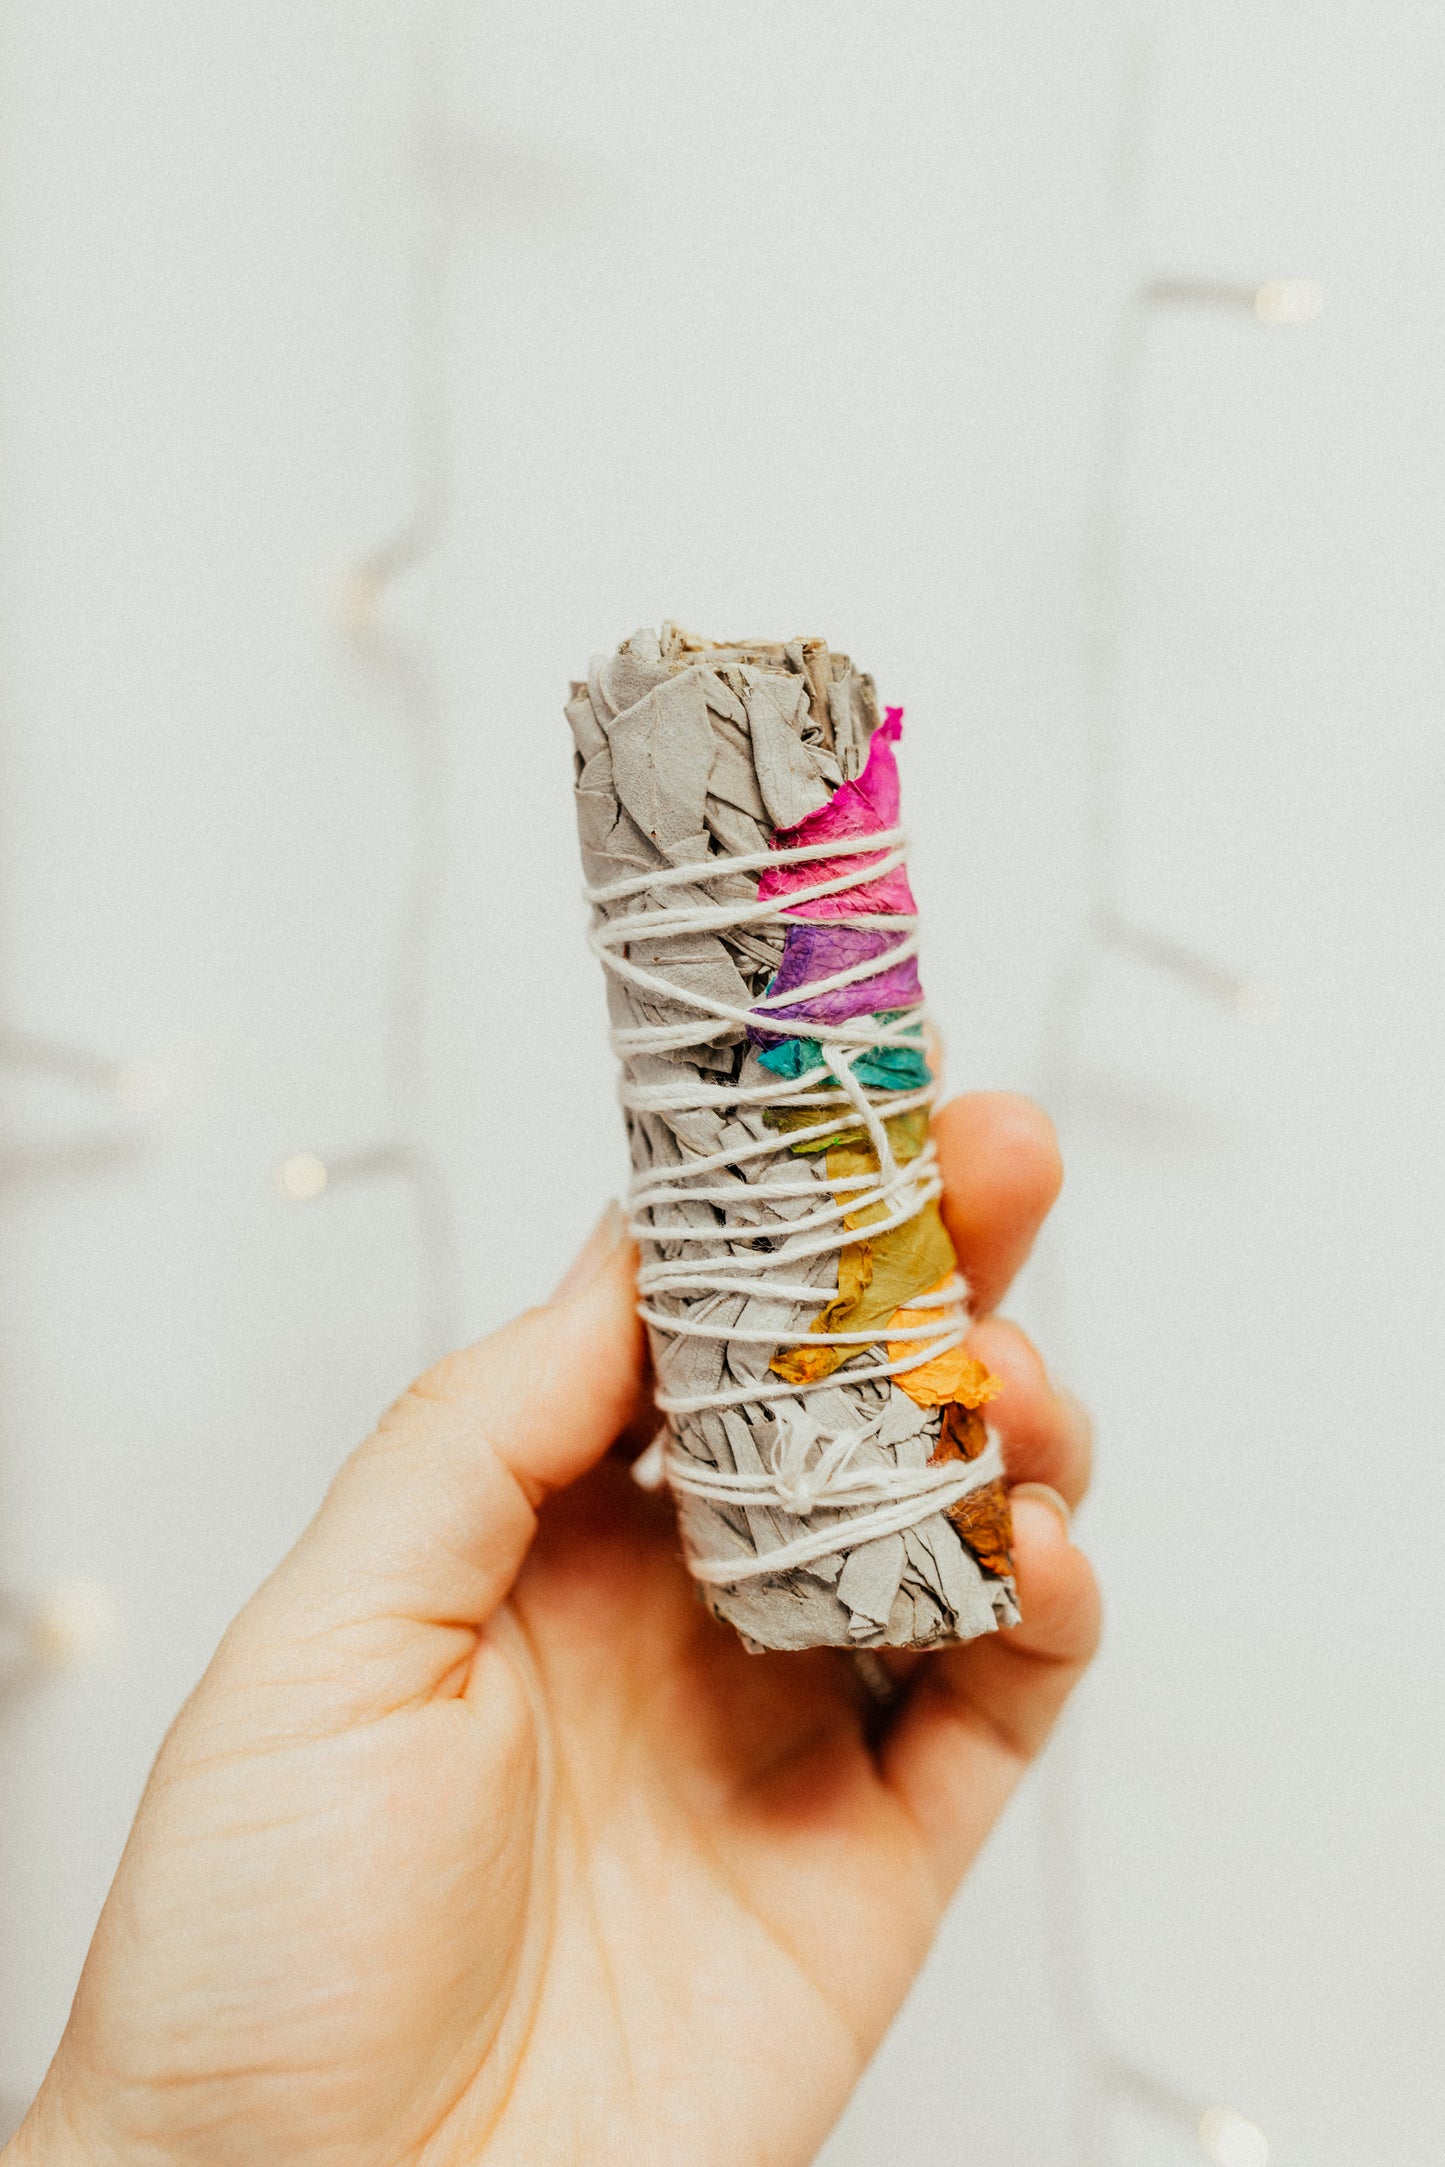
(430, 1519)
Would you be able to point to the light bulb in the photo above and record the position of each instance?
(1232, 2140)
(71, 1624)
(302, 1176)
(1288, 301)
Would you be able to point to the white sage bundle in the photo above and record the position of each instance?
(835, 1479)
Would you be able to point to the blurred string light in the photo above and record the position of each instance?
(70, 1624)
(133, 1087)
(139, 1086)
(64, 1629)
(1278, 302)
(400, 662)
(1107, 2079)
(1231, 2140)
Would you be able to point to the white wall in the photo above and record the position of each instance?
(786, 315)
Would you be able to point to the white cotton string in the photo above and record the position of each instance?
(899, 1498)
(885, 852)
(903, 1497)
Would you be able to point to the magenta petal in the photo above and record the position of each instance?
(864, 807)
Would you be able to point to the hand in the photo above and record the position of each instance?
(481, 1840)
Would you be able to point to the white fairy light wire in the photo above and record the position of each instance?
(1106, 2076)
(403, 663)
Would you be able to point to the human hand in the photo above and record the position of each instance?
(481, 1840)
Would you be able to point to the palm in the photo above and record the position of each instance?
(420, 1879)
(738, 1886)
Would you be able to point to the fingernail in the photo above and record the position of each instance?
(1045, 1496)
(601, 1245)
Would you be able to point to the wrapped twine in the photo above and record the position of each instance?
(737, 808)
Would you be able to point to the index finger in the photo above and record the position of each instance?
(999, 1158)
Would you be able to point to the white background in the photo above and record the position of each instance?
(777, 317)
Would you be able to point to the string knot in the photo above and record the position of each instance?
(802, 1487)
